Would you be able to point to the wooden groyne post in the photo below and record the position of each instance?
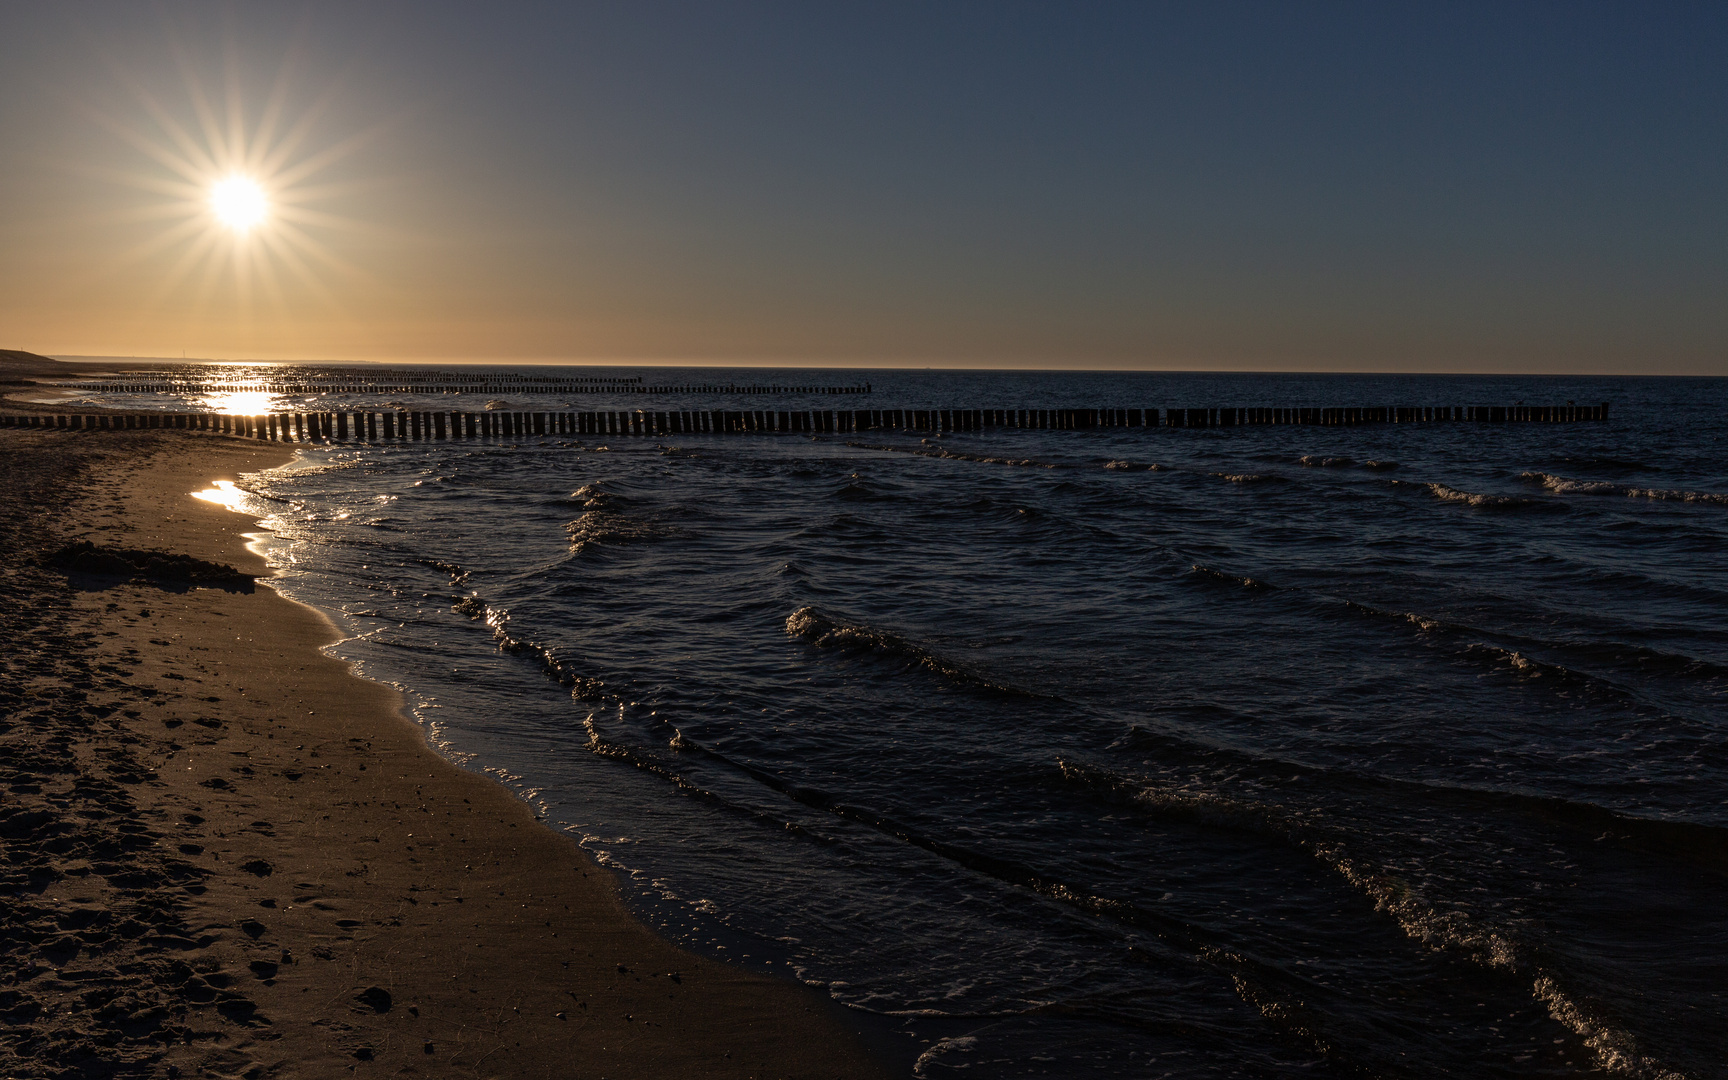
(394, 426)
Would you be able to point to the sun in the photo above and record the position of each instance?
(239, 203)
(243, 201)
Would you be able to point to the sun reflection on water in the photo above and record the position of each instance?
(241, 402)
(223, 493)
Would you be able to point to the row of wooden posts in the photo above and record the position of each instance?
(376, 426)
(499, 387)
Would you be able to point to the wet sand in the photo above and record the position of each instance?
(224, 855)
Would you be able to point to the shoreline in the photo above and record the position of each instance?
(345, 897)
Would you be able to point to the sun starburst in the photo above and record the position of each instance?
(242, 195)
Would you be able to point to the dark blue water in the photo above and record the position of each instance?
(1381, 751)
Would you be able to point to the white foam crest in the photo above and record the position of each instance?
(497, 619)
(963, 1044)
(1450, 929)
(1421, 622)
(457, 574)
(1564, 486)
(1392, 893)
(1399, 897)
(1572, 487)
(1247, 478)
(1206, 573)
(1616, 1051)
(1679, 496)
(598, 526)
(1402, 898)
(1469, 498)
(828, 632)
(1529, 666)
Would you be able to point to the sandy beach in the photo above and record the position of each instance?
(225, 855)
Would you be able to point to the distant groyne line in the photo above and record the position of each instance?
(441, 385)
(395, 425)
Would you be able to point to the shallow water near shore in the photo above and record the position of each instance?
(1391, 750)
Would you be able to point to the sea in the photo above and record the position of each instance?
(1395, 750)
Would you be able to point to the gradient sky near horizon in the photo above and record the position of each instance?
(1331, 186)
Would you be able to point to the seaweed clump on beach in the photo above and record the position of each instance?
(160, 567)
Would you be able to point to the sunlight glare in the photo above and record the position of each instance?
(239, 203)
(241, 402)
(223, 493)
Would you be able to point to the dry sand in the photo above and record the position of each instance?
(224, 855)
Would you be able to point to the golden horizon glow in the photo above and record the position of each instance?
(239, 202)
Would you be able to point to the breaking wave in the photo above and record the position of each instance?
(1518, 661)
(498, 621)
(1219, 577)
(602, 526)
(825, 631)
(1422, 622)
(457, 574)
(1563, 486)
(1485, 502)
(1529, 667)
(1250, 478)
(1396, 893)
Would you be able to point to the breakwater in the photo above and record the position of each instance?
(398, 384)
(397, 425)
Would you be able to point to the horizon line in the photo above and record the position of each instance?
(875, 365)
